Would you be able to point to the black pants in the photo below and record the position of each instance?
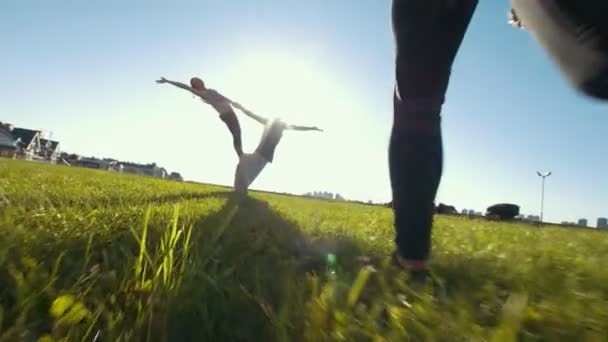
(428, 35)
(232, 122)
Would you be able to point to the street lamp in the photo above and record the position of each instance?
(542, 192)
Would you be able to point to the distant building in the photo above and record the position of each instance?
(26, 144)
(68, 158)
(582, 222)
(533, 218)
(325, 195)
(95, 163)
(176, 176)
(602, 223)
(144, 169)
(20, 142)
(49, 150)
(8, 144)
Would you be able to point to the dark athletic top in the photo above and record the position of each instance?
(273, 132)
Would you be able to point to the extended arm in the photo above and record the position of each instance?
(176, 84)
(182, 86)
(250, 114)
(304, 128)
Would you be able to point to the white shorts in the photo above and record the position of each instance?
(249, 167)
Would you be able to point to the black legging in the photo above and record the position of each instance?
(232, 122)
(428, 35)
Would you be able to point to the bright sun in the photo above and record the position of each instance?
(291, 88)
(307, 91)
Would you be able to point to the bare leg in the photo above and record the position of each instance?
(241, 183)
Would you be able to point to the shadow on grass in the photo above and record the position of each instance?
(247, 279)
(166, 198)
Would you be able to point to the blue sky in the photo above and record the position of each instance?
(85, 71)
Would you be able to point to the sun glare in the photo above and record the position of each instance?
(306, 91)
(283, 86)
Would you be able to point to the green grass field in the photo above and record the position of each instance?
(94, 256)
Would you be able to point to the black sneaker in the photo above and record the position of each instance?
(420, 279)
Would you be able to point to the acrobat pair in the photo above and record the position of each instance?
(250, 165)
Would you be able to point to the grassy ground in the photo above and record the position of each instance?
(88, 255)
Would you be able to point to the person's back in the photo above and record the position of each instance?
(218, 101)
